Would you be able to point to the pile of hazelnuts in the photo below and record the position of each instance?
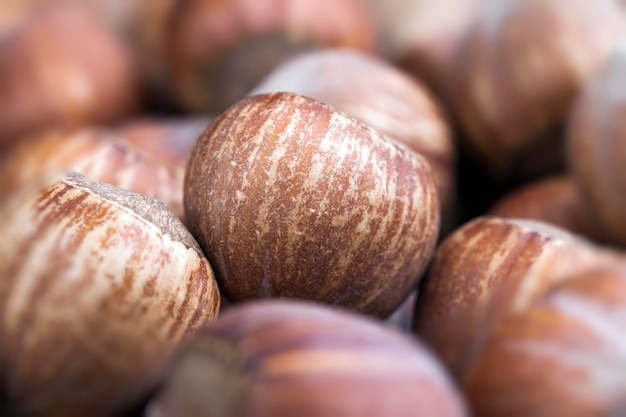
(356, 208)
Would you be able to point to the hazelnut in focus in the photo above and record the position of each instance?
(291, 198)
(99, 286)
(378, 95)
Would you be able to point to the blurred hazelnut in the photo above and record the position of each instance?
(218, 50)
(517, 73)
(285, 359)
(596, 147)
(421, 36)
(147, 157)
(565, 354)
(488, 269)
(62, 67)
(554, 200)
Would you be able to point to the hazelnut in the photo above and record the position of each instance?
(489, 268)
(517, 73)
(421, 36)
(291, 198)
(284, 359)
(565, 354)
(596, 147)
(98, 288)
(52, 77)
(554, 200)
(218, 50)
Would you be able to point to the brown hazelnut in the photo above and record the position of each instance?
(285, 359)
(218, 50)
(116, 14)
(378, 95)
(148, 157)
(62, 67)
(517, 73)
(555, 200)
(492, 267)
(596, 147)
(562, 356)
(291, 198)
(98, 288)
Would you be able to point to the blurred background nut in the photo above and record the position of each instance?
(117, 14)
(555, 200)
(61, 66)
(517, 73)
(218, 50)
(145, 156)
(379, 95)
(98, 287)
(258, 359)
(596, 146)
(289, 197)
(421, 36)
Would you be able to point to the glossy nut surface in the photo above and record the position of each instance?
(290, 198)
(596, 146)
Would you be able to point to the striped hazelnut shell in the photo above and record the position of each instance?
(379, 95)
(146, 156)
(284, 358)
(291, 198)
(565, 354)
(489, 268)
(98, 288)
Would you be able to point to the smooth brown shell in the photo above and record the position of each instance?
(284, 359)
(596, 147)
(291, 198)
(218, 50)
(98, 288)
(52, 77)
(517, 74)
